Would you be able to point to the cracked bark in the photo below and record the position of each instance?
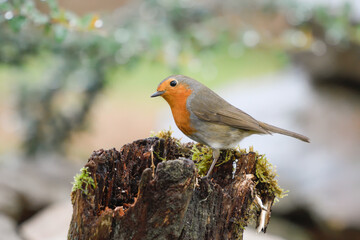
(131, 201)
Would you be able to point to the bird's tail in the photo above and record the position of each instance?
(274, 129)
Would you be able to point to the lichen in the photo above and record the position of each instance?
(83, 181)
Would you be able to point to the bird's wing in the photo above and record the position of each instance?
(210, 107)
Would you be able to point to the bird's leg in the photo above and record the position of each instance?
(216, 155)
(152, 160)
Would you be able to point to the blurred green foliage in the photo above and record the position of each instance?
(338, 28)
(335, 26)
(77, 52)
(76, 57)
(72, 65)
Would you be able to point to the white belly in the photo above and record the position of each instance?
(218, 136)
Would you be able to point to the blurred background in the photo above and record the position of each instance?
(76, 76)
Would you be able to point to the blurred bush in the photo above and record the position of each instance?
(326, 42)
(75, 54)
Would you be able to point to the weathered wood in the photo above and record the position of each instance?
(131, 200)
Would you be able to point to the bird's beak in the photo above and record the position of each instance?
(158, 93)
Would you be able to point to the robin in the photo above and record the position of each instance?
(207, 118)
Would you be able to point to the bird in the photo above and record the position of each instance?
(207, 118)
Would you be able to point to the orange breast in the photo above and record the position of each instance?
(177, 102)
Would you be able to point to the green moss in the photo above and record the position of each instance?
(266, 174)
(165, 134)
(169, 139)
(202, 156)
(249, 218)
(240, 227)
(82, 181)
(159, 157)
(230, 155)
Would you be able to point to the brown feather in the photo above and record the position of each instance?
(274, 129)
(210, 107)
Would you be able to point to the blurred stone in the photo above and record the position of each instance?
(287, 230)
(329, 63)
(38, 183)
(52, 223)
(8, 228)
(11, 203)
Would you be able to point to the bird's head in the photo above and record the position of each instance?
(175, 88)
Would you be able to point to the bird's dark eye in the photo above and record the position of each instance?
(173, 83)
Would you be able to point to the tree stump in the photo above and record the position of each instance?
(131, 199)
